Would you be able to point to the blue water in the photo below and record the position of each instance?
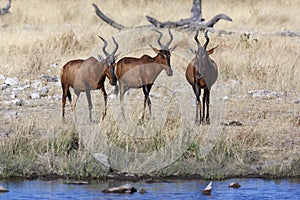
(250, 189)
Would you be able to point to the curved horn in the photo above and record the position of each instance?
(196, 39)
(104, 46)
(171, 39)
(159, 38)
(117, 46)
(207, 39)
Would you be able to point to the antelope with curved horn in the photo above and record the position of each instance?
(142, 72)
(86, 75)
(202, 73)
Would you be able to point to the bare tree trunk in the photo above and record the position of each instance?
(196, 11)
(4, 10)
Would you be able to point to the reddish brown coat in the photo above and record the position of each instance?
(86, 75)
(202, 73)
(142, 72)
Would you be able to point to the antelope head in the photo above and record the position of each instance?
(110, 61)
(165, 52)
(206, 67)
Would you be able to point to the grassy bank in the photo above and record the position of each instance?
(245, 150)
(256, 136)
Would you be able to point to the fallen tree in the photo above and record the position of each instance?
(5, 10)
(195, 21)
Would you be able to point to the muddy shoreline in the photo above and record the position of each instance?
(123, 177)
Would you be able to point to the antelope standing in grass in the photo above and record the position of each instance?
(142, 72)
(202, 73)
(86, 75)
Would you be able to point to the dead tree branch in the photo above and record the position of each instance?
(107, 19)
(193, 23)
(4, 10)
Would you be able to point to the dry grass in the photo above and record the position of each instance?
(34, 38)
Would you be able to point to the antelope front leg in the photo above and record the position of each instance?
(121, 87)
(73, 104)
(145, 102)
(149, 101)
(146, 90)
(88, 96)
(63, 105)
(198, 104)
(105, 101)
(203, 105)
(207, 107)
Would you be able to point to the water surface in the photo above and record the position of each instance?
(250, 189)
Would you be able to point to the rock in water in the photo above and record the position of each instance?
(142, 191)
(2, 189)
(207, 190)
(234, 185)
(127, 188)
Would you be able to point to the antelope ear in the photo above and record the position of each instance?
(100, 58)
(193, 51)
(116, 56)
(211, 50)
(155, 49)
(173, 48)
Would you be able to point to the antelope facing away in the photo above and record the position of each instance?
(202, 73)
(142, 72)
(86, 75)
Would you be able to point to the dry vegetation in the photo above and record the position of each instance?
(37, 35)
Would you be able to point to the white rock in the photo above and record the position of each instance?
(36, 84)
(265, 94)
(297, 101)
(15, 102)
(44, 91)
(13, 95)
(21, 88)
(3, 86)
(57, 96)
(49, 78)
(35, 95)
(12, 81)
(225, 98)
(54, 65)
(19, 102)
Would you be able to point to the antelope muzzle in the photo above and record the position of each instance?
(170, 72)
(113, 80)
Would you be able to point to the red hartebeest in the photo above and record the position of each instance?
(202, 73)
(86, 75)
(142, 72)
